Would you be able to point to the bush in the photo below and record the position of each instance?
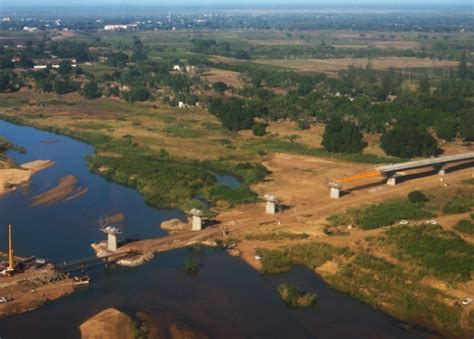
(294, 297)
(417, 197)
(191, 265)
(259, 129)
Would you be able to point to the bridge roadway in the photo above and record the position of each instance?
(389, 170)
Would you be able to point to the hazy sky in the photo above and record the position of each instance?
(353, 3)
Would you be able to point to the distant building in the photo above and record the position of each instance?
(115, 27)
(177, 68)
(30, 29)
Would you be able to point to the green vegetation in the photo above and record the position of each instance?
(417, 197)
(459, 204)
(443, 253)
(408, 141)
(296, 298)
(139, 329)
(311, 255)
(271, 144)
(387, 213)
(397, 291)
(342, 137)
(191, 265)
(465, 227)
(276, 235)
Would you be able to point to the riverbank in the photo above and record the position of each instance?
(301, 184)
(33, 288)
(11, 178)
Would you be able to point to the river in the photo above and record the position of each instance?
(226, 299)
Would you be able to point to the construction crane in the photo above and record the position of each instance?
(11, 263)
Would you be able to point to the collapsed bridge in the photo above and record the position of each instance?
(392, 173)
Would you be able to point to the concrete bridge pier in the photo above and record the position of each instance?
(441, 170)
(392, 181)
(335, 191)
(196, 219)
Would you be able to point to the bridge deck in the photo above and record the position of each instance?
(425, 163)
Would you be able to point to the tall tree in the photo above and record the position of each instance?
(409, 140)
(342, 137)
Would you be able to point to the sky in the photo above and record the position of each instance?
(352, 3)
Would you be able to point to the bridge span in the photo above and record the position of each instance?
(393, 172)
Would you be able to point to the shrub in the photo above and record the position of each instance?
(259, 129)
(417, 197)
(294, 297)
(191, 265)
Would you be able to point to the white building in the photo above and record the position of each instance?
(115, 27)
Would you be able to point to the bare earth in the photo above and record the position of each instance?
(108, 324)
(12, 177)
(32, 289)
(65, 190)
(332, 66)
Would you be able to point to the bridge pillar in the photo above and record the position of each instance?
(335, 191)
(111, 242)
(392, 181)
(197, 223)
(271, 203)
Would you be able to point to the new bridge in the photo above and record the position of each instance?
(394, 172)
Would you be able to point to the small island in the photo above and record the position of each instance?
(294, 297)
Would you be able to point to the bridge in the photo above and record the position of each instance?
(87, 262)
(393, 172)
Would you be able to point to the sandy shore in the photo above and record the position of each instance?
(10, 178)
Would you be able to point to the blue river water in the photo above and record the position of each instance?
(226, 299)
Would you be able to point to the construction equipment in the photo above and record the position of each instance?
(11, 263)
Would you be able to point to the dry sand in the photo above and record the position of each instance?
(108, 324)
(12, 177)
(65, 190)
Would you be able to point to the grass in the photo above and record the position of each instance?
(385, 285)
(182, 132)
(443, 253)
(296, 298)
(276, 235)
(92, 126)
(459, 204)
(311, 255)
(387, 213)
(272, 144)
(12, 102)
(465, 227)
